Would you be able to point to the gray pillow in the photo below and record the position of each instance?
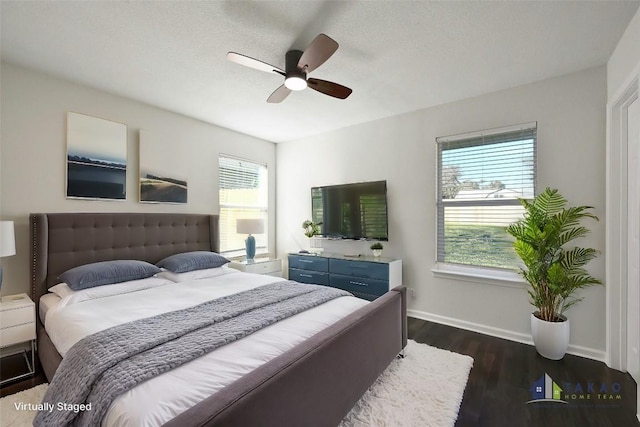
(107, 273)
(190, 261)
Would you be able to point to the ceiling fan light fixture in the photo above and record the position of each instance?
(295, 83)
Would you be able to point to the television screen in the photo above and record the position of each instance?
(351, 211)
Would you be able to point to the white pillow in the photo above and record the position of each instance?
(68, 296)
(196, 274)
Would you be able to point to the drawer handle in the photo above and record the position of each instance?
(305, 275)
(306, 260)
(357, 283)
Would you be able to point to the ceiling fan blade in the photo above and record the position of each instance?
(320, 49)
(279, 95)
(253, 63)
(329, 88)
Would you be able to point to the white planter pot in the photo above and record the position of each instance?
(551, 338)
(377, 252)
(315, 245)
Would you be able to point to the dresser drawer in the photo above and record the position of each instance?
(371, 270)
(309, 263)
(308, 276)
(17, 316)
(359, 284)
(17, 334)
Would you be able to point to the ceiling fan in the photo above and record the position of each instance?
(298, 65)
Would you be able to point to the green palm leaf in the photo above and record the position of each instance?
(577, 257)
(549, 202)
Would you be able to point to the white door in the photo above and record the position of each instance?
(633, 243)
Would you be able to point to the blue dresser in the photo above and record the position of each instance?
(365, 277)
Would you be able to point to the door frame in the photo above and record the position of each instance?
(633, 245)
(617, 221)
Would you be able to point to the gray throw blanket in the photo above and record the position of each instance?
(101, 366)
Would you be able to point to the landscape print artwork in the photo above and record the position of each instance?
(96, 158)
(162, 172)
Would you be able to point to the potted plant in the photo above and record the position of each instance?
(553, 271)
(377, 249)
(312, 229)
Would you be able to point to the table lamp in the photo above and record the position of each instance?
(250, 226)
(7, 242)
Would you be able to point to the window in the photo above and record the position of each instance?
(244, 193)
(481, 175)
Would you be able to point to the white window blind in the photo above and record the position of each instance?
(244, 193)
(481, 175)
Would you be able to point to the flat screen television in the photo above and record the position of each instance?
(351, 211)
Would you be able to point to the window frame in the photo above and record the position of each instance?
(476, 272)
(261, 249)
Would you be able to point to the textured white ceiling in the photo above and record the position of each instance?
(396, 56)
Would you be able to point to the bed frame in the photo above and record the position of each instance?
(314, 384)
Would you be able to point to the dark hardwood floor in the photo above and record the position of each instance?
(500, 383)
(12, 366)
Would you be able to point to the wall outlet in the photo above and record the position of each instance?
(411, 292)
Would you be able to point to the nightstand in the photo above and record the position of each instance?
(18, 331)
(271, 267)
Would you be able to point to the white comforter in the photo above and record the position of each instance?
(158, 400)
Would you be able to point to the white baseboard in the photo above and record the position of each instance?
(589, 353)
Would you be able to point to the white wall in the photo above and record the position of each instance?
(625, 59)
(570, 112)
(34, 108)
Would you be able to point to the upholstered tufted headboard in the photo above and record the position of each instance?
(61, 241)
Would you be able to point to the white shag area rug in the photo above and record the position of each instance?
(11, 416)
(423, 389)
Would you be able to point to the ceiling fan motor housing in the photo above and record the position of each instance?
(291, 69)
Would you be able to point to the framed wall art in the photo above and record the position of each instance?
(162, 171)
(96, 158)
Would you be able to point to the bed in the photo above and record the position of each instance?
(314, 383)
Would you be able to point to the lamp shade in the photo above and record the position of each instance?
(250, 226)
(7, 239)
